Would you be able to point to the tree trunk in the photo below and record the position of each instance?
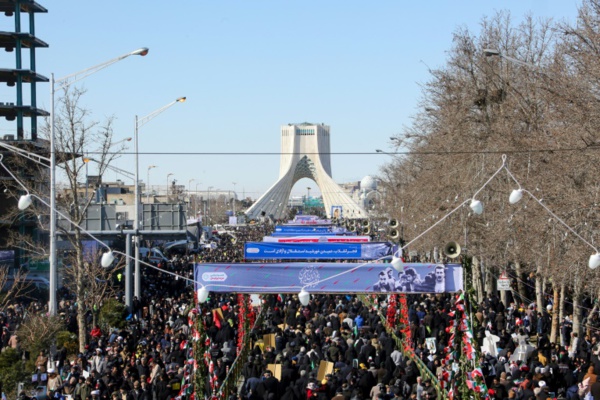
(490, 280)
(576, 305)
(476, 275)
(503, 298)
(555, 315)
(520, 285)
(539, 291)
(588, 330)
(80, 294)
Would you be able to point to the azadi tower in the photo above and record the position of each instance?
(305, 153)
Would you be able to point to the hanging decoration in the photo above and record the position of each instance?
(466, 380)
(246, 319)
(392, 309)
(404, 322)
(200, 350)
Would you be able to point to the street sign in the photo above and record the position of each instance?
(503, 284)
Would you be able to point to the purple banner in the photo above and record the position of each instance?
(329, 277)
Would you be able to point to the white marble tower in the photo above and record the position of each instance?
(305, 153)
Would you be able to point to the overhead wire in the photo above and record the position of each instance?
(352, 153)
(295, 287)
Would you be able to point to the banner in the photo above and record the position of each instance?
(302, 229)
(329, 278)
(318, 250)
(313, 239)
(308, 220)
(310, 233)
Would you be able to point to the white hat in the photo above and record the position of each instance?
(95, 393)
(542, 384)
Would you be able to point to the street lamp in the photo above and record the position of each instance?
(55, 85)
(196, 200)
(140, 122)
(168, 175)
(234, 183)
(208, 203)
(497, 53)
(148, 183)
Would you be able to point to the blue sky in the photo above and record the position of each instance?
(247, 67)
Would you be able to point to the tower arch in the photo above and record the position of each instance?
(305, 153)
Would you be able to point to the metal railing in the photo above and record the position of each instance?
(424, 371)
(231, 381)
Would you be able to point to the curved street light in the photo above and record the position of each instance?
(55, 85)
(140, 122)
(148, 183)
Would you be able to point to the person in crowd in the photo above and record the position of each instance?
(151, 356)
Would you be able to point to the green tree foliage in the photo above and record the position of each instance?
(37, 332)
(112, 314)
(12, 371)
(68, 340)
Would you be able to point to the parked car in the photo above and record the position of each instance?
(37, 282)
(153, 255)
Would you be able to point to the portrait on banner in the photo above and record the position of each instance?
(337, 212)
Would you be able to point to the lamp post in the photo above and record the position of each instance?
(234, 183)
(58, 84)
(196, 200)
(140, 122)
(208, 203)
(168, 175)
(148, 183)
(86, 160)
(497, 53)
(190, 190)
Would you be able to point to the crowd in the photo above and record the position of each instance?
(151, 358)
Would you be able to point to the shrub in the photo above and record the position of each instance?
(38, 331)
(112, 314)
(12, 371)
(69, 340)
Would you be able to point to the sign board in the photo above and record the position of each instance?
(325, 367)
(269, 340)
(431, 344)
(503, 284)
(275, 369)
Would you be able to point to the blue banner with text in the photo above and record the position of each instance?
(316, 251)
(329, 277)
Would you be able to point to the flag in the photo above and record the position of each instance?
(217, 317)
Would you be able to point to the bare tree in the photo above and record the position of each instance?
(543, 113)
(75, 135)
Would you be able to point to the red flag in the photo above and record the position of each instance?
(216, 318)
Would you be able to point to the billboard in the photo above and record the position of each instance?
(317, 250)
(329, 277)
(316, 238)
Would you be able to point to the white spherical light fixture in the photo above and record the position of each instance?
(107, 259)
(24, 202)
(476, 206)
(304, 297)
(202, 294)
(515, 196)
(594, 261)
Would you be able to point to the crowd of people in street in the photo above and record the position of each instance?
(151, 358)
